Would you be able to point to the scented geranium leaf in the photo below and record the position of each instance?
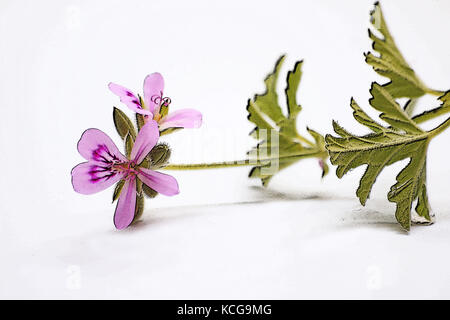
(390, 63)
(411, 182)
(384, 146)
(444, 108)
(265, 107)
(410, 106)
(391, 112)
(123, 124)
(280, 145)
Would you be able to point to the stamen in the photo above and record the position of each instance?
(166, 101)
(156, 99)
(160, 100)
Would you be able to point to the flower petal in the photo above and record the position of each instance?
(128, 98)
(153, 88)
(124, 214)
(184, 118)
(95, 145)
(92, 177)
(145, 141)
(160, 182)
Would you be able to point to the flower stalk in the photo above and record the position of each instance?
(245, 162)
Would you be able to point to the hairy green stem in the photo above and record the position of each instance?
(212, 165)
(242, 163)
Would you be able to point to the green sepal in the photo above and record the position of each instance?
(140, 121)
(129, 142)
(146, 163)
(118, 189)
(139, 201)
(169, 131)
(149, 192)
(123, 124)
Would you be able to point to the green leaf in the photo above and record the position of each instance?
(123, 124)
(280, 145)
(386, 145)
(118, 190)
(390, 63)
(444, 108)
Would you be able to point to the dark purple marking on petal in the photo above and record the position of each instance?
(98, 173)
(128, 93)
(137, 104)
(102, 154)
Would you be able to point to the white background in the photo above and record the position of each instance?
(223, 236)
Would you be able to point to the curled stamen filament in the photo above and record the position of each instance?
(160, 100)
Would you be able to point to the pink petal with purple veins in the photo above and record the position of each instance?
(145, 141)
(184, 118)
(92, 177)
(153, 90)
(160, 182)
(128, 98)
(126, 205)
(95, 145)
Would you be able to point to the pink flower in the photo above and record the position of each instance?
(106, 165)
(155, 105)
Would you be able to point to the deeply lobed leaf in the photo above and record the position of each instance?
(277, 131)
(390, 63)
(383, 147)
(400, 139)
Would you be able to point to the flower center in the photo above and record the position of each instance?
(129, 168)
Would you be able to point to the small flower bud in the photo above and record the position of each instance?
(159, 155)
